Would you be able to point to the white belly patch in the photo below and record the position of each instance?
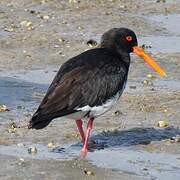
(97, 110)
(101, 109)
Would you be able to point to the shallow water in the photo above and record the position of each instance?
(19, 96)
(117, 151)
(42, 153)
(142, 163)
(128, 151)
(162, 44)
(170, 22)
(169, 42)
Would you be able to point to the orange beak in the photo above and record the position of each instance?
(147, 58)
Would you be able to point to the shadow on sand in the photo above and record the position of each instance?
(131, 137)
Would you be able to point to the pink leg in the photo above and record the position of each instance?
(89, 129)
(80, 129)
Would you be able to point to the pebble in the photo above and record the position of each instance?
(92, 43)
(3, 108)
(162, 124)
(51, 145)
(20, 145)
(32, 150)
(149, 75)
(9, 29)
(30, 28)
(89, 173)
(13, 125)
(26, 23)
(56, 46)
(176, 139)
(117, 113)
(45, 17)
(61, 40)
(80, 28)
(73, 1)
(147, 82)
(22, 161)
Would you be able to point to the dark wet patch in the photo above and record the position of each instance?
(14, 92)
(134, 136)
(18, 96)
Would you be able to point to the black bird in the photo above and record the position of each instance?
(89, 84)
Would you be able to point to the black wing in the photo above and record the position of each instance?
(79, 83)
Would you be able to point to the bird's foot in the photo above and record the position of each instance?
(84, 152)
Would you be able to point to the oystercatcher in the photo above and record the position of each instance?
(88, 85)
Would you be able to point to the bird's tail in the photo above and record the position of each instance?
(39, 121)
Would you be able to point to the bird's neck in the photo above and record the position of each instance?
(118, 52)
(125, 57)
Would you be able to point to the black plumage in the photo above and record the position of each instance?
(91, 83)
(88, 79)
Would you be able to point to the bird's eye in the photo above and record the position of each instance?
(129, 38)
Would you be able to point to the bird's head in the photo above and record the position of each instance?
(124, 41)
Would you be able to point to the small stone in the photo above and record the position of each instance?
(20, 145)
(61, 40)
(30, 28)
(80, 28)
(22, 162)
(45, 17)
(56, 46)
(13, 125)
(51, 145)
(9, 29)
(21, 159)
(176, 139)
(3, 108)
(92, 43)
(89, 173)
(26, 23)
(32, 11)
(147, 82)
(149, 75)
(43, 1)
(73, 1)
(117, 113)
(122, 6)
(64, 22)
(162, 124)
(32, 150)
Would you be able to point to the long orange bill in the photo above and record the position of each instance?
(147, 58)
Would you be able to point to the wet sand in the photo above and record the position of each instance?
(131, 146)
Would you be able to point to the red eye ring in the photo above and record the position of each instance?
(129, 38)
